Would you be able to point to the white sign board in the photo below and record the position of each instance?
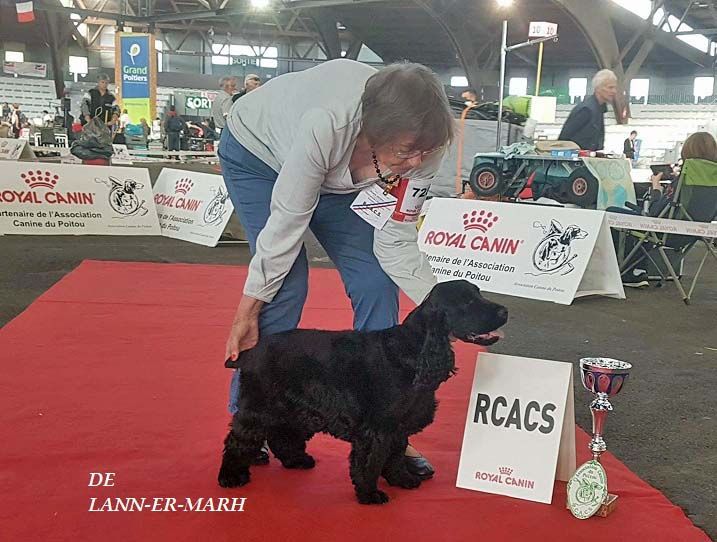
(542, 29)
(60, 199)
(31, 69)
(121, 155)
(192, 206)
(547, 253)
(520, 428)
(15, 149)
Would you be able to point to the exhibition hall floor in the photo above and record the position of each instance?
(118, 368)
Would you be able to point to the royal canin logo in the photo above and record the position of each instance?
(37, 179)
(183, 186)
(178, 200)
(505, 476)
(480, 222)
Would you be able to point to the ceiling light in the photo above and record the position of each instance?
(260, 4)
(504, 3)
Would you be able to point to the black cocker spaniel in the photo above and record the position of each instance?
(372, 389)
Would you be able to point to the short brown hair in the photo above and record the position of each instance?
(700, 145)
(402, 99)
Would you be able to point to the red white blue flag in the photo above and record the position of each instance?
(25, 13)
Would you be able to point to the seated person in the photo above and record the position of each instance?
(699, 145)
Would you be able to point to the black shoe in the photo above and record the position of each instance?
(419, 466)
(635, 279)
(262, 458)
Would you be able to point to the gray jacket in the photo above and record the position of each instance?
(304, 125)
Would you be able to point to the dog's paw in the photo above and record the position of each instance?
(406, 480)
(373, 497)
(233, 477)
(301, 462)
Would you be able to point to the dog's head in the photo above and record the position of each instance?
(130, 186)
(465, 313)
(571, 233)
(453, 309)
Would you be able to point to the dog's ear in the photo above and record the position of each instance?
(436, 361)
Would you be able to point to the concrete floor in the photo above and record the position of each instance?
(664, 426)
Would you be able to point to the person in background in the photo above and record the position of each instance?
(117, 130)
(173, 127)
(209, 131)
(146, 129)
(17, 120)
(585, 125)
(70, 120)
(470, 96)
(223, 102)
(124, 119)
(47, 119)
(629, 146)
(157, 129)
(251, 82)
(700, 145)
(6, 110)
(99, 101)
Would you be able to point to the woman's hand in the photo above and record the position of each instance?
(244, 333)
(655, 180)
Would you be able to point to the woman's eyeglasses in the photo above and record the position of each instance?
(407, 155)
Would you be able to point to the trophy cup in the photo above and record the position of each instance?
(587, 488)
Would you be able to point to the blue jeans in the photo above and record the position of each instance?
(347, 239)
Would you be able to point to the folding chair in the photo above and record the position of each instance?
(695, 199)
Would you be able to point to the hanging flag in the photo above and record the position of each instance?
(25, 13)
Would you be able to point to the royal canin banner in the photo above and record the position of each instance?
(547, 253)
(192, 206)
(57, 199)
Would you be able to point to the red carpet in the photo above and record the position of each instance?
(118, 368)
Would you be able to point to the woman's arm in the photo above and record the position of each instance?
(396, 248)
(658, 200)
(294, 199)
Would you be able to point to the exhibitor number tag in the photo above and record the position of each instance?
(410, 195)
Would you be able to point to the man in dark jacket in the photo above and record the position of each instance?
(173, 127)
(629, 146)
(99, 102)
(586, 123)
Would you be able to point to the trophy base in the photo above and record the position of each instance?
(608, 506)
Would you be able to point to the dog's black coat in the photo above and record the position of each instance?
(372, 389)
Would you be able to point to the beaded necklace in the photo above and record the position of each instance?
(388, 183)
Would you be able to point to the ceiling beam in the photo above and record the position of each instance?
(622, 17)
(309, 4)
(704, 31)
